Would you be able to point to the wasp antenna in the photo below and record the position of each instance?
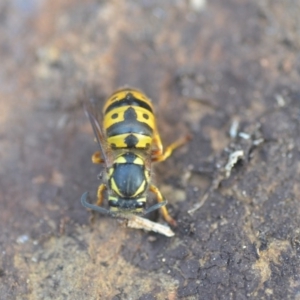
(86, 204)
(155, 207)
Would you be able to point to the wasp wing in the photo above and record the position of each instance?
(93, 114)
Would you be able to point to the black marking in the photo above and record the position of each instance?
(129, 125)
(130, 114)
(114, 116)
(129, 157)
(131, 141)
(129, 177)
(146, 116)
(129, 100)
(113, 146)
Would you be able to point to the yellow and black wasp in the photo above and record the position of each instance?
(129, 144)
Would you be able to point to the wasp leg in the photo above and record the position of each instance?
(96, 158)
(100, 197)
(158, 155)
(157, 145)
(163, 209)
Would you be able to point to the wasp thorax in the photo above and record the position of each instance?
(128, 177)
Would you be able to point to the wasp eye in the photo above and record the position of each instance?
(114, 203)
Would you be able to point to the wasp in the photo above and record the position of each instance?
(129, 143)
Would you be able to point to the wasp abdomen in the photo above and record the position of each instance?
(129, 120)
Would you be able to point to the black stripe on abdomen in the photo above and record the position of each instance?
(129, 125)
(129, 100)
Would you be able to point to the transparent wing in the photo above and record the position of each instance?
(93, 113)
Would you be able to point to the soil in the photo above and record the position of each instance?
(207, 66)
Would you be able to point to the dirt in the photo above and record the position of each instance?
(205, 65)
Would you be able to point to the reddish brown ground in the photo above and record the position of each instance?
(203, 67)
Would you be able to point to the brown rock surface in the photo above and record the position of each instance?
(204, 67)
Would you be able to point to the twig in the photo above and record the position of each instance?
(137, 222)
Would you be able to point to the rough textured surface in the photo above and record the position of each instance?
(204, 67)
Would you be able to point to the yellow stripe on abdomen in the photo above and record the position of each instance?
(119, 141)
